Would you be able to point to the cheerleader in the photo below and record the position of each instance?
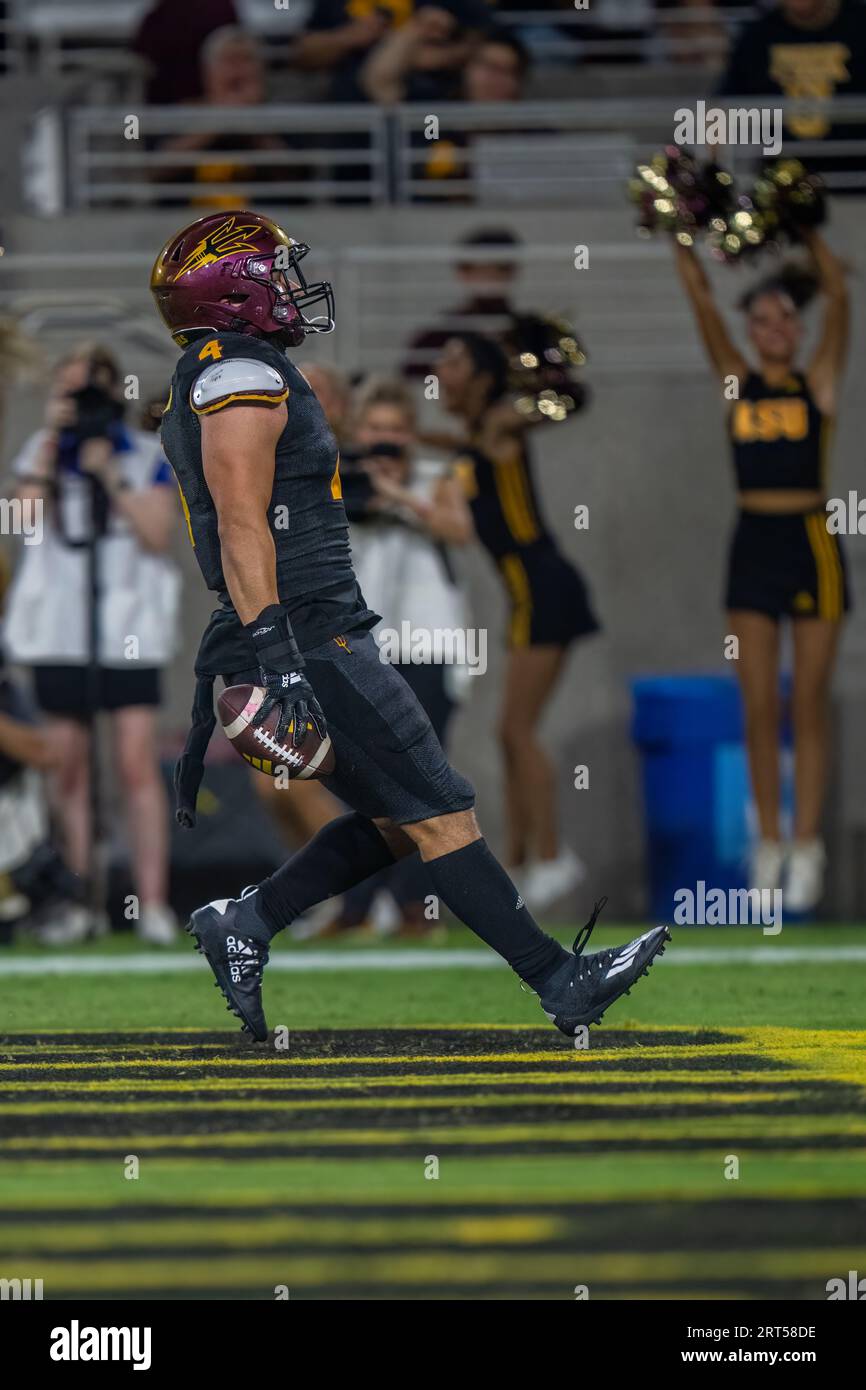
(549, 607)
(784, 563)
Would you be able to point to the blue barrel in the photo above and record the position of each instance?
(689, 730)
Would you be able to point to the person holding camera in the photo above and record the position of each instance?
(35, 883)
(404, 513)
(92, 610)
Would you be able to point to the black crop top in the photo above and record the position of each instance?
(502, 498)
(779, 435)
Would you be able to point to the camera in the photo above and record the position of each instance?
(96, 412)
(358, 491)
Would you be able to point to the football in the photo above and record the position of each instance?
(237, 707)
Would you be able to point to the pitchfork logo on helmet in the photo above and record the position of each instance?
(220, 241)
(238, 272)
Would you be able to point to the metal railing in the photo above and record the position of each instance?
(625, 307)
(290, 154)
(574, 153)
(622, 308)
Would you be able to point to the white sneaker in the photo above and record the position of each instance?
(768, 857)
(72, 925)
(804, 884)
(157, 925)
(550, 879)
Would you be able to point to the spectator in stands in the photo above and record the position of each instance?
(233, 69)
(334, 394)
(678, 35)
(92, 475)
(811, 51)
(486, 307)
(233, 74)
(341, 34)
(496, 73)
(170, 38)
(34, 881)
(497, 69)
(421, 60)
(405, 512)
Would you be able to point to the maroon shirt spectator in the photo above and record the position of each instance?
(170, 37)
(233, 75)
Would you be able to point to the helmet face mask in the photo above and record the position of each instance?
(282, 275)
(238, 272)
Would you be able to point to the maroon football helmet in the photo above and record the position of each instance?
(239, 272)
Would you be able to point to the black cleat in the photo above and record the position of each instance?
(583, 988)
(235, 940)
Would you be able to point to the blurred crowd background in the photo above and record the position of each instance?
(445, 163)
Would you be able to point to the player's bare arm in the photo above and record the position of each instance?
(238, 458)
(238, 448)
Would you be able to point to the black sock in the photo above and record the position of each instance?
(474, 885)
(341, 854)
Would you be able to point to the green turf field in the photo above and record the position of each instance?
(424, 1133)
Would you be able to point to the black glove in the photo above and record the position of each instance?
(280, 672)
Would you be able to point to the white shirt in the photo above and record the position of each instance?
(403, 575)
(47, 608)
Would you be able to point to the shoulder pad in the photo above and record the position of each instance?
(237, 380)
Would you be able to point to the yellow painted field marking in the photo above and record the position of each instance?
(380, 1103)
(694, 1129)
(554, 1270)
(464, 1080)
(436, 1228)
(563, 1058)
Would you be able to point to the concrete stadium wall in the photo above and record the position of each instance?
(648, 457)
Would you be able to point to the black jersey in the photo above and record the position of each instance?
(315, 580)
(779, 435)
(503, 500)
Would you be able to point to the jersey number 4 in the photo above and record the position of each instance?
(213, 349)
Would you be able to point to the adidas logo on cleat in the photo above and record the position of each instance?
(625, 958)
(239, 947)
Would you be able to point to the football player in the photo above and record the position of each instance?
(259, 476)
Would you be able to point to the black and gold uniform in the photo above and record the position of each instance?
(315, 580)
(549, 601)
(783, 564)
(388, 759)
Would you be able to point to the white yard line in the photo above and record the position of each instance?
(153, 962)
